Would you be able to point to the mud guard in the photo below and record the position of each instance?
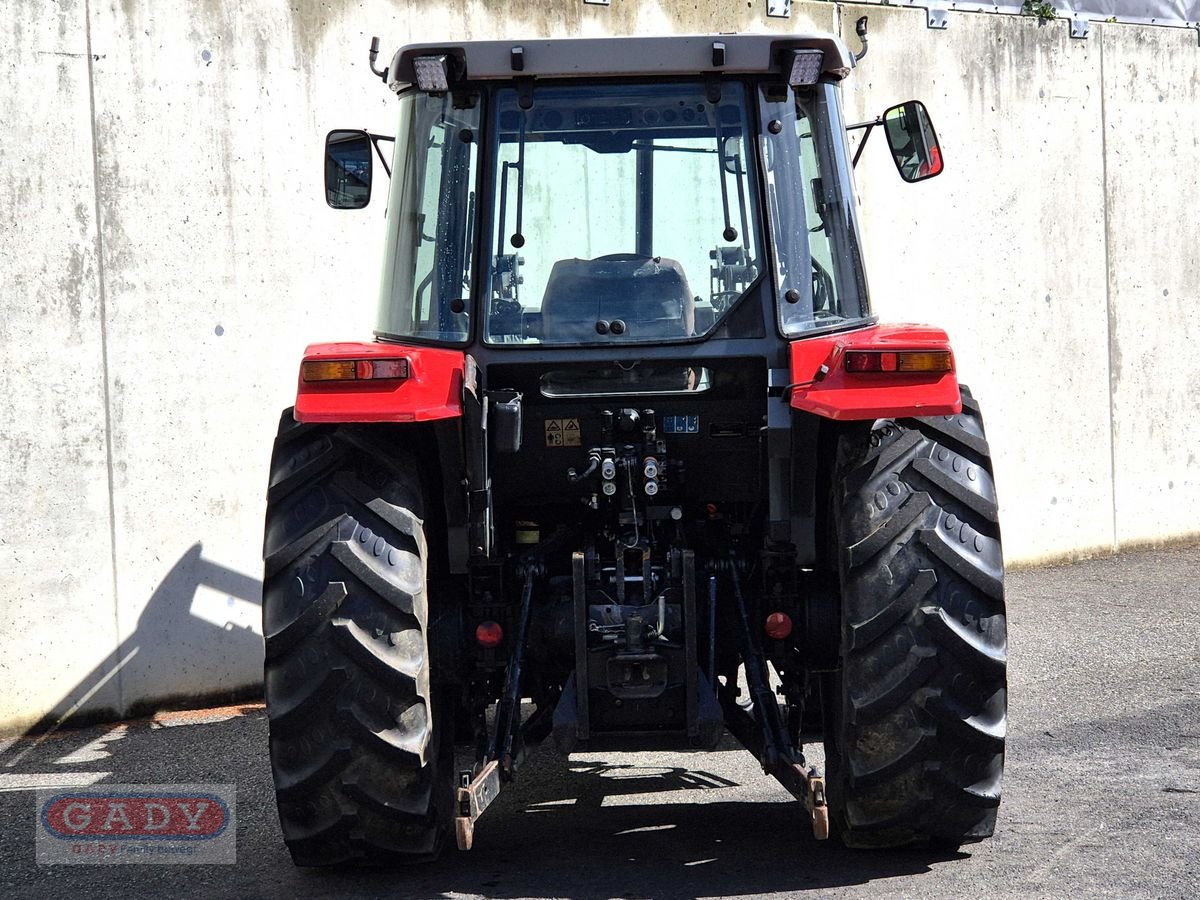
(821, 385)
(433, 389)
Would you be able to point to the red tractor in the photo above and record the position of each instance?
(630, 462)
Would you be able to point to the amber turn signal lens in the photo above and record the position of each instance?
(327, 370)
(887, 361)
(924, 361)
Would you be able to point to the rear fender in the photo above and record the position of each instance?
(433, 389)
(821, 385)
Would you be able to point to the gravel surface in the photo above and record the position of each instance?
(1102, 795)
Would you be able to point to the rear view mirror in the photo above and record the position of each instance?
(913, 142)
(347, 169)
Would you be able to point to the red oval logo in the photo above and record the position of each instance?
(135, 816)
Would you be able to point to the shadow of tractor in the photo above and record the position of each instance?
(197, 643)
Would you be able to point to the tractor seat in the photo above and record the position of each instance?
(649, 295)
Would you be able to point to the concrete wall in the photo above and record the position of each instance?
(1006, 250)
(1058, 250)
(167, 254)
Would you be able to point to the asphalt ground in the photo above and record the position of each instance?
(1101, 797)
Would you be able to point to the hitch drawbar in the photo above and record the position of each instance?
(807, 786)
(817, 806)
(474, 796)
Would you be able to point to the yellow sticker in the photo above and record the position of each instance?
(562, 433)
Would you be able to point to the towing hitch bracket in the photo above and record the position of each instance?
(474, 796)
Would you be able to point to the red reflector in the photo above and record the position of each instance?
(382, 368)
(779, 625)
(862, 362)
(489, 634)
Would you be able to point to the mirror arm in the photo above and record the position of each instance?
(375, 139)
(382, 73)
(870, 126)
(878, 120)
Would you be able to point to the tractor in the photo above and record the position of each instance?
(629, 463)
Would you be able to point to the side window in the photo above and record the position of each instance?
(814, 206)
(810, 200)
(442, 233)
(423, 227)
(432, 204)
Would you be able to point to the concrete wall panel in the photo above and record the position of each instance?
(1152, 138)
(56, 578)
(224, 262)
(989, 251)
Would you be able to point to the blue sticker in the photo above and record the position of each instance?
(681, 424)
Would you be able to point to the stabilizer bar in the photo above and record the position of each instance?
(764, 734)
(476, 794)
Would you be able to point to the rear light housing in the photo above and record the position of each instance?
(316, 370)
(905, 362)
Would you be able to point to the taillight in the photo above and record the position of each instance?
(902, 361)
(353, 369)
(778, 626)
(489, 634)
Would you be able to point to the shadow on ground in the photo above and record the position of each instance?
(647, 831)
(196, 643)
(1102, 792)
(640, 826)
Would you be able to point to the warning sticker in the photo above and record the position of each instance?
(562, 433)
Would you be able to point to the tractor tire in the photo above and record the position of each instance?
(361, 758)
(916, 753)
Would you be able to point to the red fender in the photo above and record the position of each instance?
(432, 390)
(821, 384)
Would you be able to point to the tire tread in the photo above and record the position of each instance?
(361, 773)
(917, 757)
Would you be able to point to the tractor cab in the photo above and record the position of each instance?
(643, 202)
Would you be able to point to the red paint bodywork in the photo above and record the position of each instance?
(433, 389)
(846, 396)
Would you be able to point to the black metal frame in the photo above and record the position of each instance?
(375, 139)
(870, 126)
